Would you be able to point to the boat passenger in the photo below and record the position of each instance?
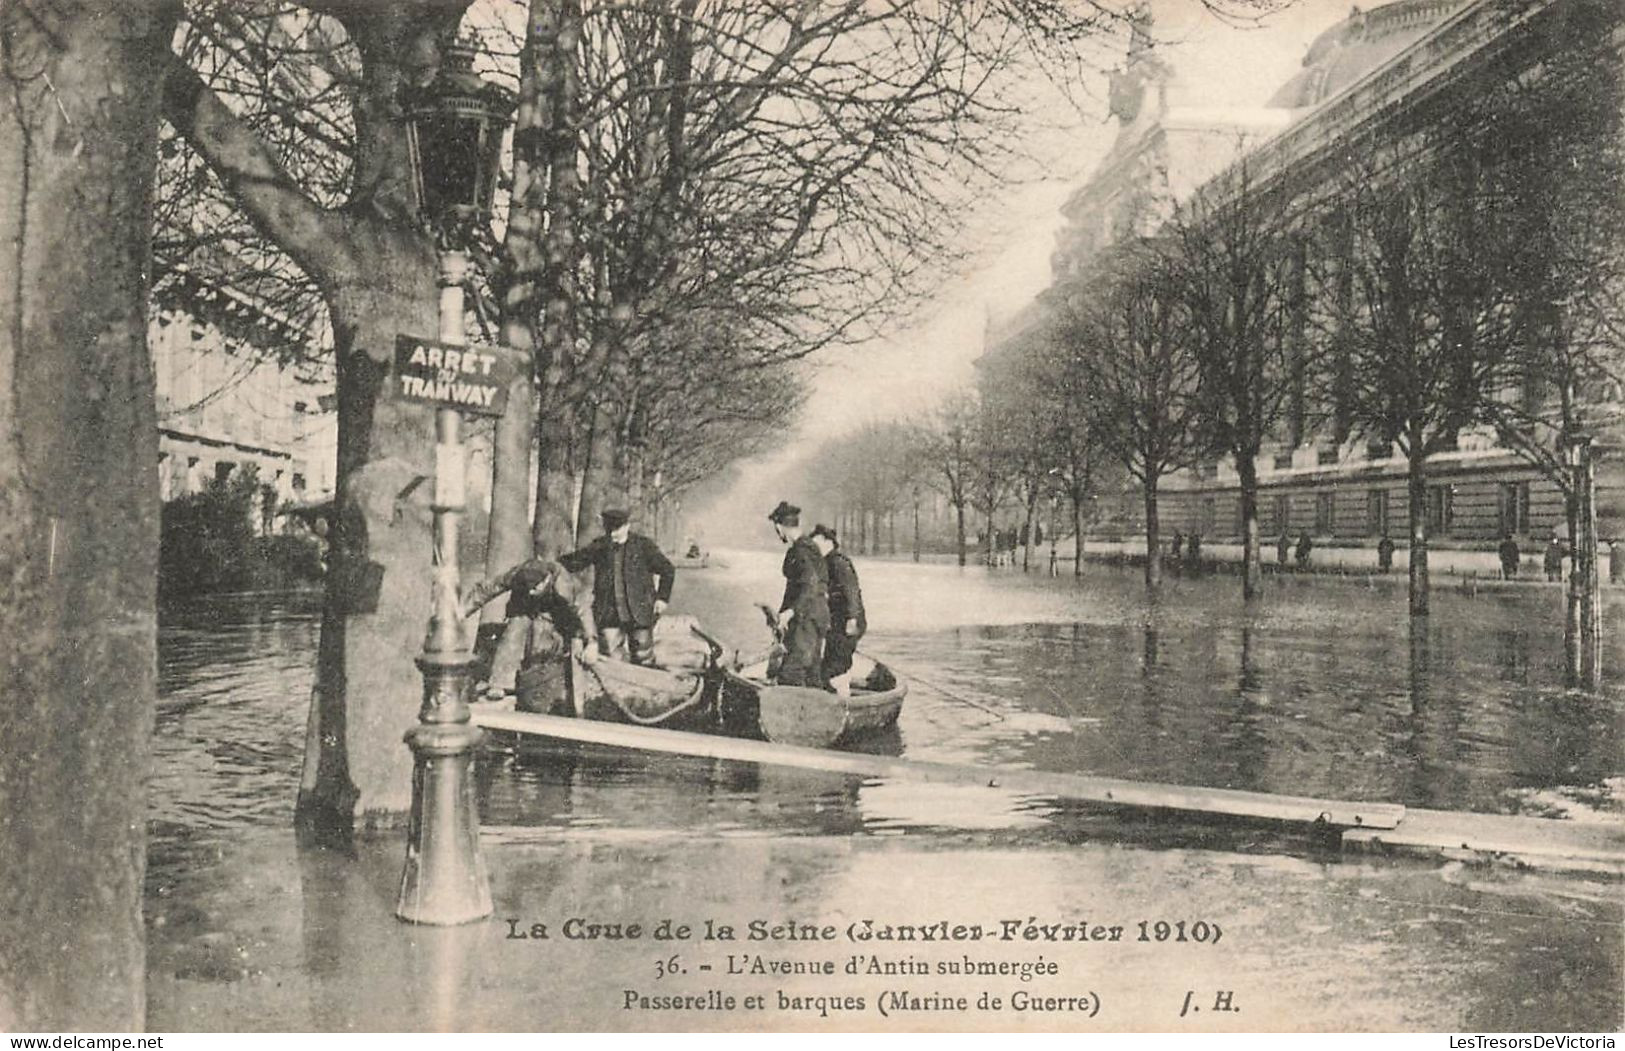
(631, 586)
(847, 622)
(806, 599)
(545, 606)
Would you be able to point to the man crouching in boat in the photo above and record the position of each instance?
(847, 622)
(546, 601)
(806, 598)
(632, 581)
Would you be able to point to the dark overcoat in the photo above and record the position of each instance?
(644, 563)
(845, 596)
(806, 583)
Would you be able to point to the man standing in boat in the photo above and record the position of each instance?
(846, 619)
(806, 598)
(632, 581)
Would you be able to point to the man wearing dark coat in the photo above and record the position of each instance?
(806, 598)
(847, 622)
(631, 585)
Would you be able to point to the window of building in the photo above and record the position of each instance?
(1440, 511)
(1204, 523)
(1325, 512)
(1377, 449)
(1376, 512)
(1514, 507)
(222, 470)
(1283, 513)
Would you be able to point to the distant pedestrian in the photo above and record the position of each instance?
(1178, 548)
(1552, 561)
(1306, 545)
(1283, 548)
(1385, 553)
(1193, 551)
(1510, 556)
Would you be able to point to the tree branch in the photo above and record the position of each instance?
(309, 233)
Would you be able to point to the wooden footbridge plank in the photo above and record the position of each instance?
(1572, 846)
(1337, 814)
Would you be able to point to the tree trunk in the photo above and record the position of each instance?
(1252, 574)
(554, 29)
(553, 526)
(377, 596)
(1027, 548)
(1077, 535)
(508, 541)
(959, 530)
(78, 509)
(916, 529)
(598, 470)
(1153, 538)
(1585, 584)
(1416, 488)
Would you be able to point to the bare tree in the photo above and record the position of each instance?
(1127, 327)
(944, 448)
(1431, 318)
(373, 261)
(1240, 282)
(1552, 147)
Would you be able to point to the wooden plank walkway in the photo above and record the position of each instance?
(1543, 843)
(1379, 828)
(1300, 810)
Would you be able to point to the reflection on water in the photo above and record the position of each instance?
(1319, 690)
(1322, 688)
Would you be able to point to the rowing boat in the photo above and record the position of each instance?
(804, 715)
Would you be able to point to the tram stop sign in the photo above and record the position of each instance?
(466, 378)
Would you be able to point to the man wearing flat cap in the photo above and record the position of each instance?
(806, 598)
(631, 585)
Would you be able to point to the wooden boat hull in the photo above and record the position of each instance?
(807, 716)
(611, 691)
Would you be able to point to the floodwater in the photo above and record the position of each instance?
(1322, 689)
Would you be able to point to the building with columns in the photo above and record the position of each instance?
(1392, 74)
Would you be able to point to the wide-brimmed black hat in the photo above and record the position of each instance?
(827, 532)
(785, 514)
(613, 518)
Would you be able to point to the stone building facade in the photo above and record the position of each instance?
(1379, 75)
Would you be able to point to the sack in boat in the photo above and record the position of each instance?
(541, 687)
(643, 693)
(677, 648)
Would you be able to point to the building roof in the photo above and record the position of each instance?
(1357, 45)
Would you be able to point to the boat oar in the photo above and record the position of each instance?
(934, 687)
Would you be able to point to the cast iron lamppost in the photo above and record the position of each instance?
(455, 127)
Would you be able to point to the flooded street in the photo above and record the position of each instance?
(1321, 690)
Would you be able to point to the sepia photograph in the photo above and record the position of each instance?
(812, 516)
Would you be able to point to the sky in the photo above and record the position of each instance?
(1009, 238)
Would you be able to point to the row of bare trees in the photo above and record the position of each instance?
(700, 196)
(1462, 274)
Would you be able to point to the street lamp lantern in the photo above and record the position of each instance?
(455, 127)
(454, 130)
